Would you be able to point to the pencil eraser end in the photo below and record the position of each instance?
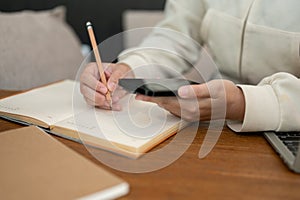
(88, 24)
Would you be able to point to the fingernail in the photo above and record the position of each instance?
(183, 91)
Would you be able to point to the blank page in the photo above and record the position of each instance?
(136, 125)
(49, 104)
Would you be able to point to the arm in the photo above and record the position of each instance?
(174, 43)
(272, 105)
(183, 18)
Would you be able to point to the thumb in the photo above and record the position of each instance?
(192, 91)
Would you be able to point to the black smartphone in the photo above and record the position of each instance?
(154, 87)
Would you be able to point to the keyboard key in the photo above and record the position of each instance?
(291, 140)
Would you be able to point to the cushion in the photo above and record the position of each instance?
(37, 48)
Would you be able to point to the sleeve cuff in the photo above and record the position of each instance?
(262, 111)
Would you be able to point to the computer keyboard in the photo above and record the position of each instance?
(291, 140)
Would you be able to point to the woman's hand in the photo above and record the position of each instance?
(196, 102)
(94, 91)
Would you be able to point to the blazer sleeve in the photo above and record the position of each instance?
(272, 105)
(174, 44)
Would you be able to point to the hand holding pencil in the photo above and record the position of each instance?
(99, 93)
(98, 60)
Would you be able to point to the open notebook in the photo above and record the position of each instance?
(61, 109)
(36, 166)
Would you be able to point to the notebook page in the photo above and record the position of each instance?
(137, 124)
(49, 104)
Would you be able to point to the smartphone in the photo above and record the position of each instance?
(154, 87)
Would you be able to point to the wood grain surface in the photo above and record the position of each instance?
(241, 166)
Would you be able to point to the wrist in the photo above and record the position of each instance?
(236, 106)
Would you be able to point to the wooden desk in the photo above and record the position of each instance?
(241, 166)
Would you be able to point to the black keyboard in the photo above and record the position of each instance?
(291, 140)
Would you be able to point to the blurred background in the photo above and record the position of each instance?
(107, 16)
(49, 42)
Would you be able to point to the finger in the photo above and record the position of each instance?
(88, 79)
(113, 80)
(95, 85)
(142, 97)
(106, 105)
(169, 104)
(91, 102)
(116, 107)
(193, 91)
(164, 102)
(87, 92)
(92, 95)
(120, 92)
(118, 71)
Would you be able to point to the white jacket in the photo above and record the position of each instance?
(255, 43)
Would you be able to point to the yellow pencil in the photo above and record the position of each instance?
(98, 59)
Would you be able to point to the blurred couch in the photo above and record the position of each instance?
(37, 48)
(105, 15)
(41, 46)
